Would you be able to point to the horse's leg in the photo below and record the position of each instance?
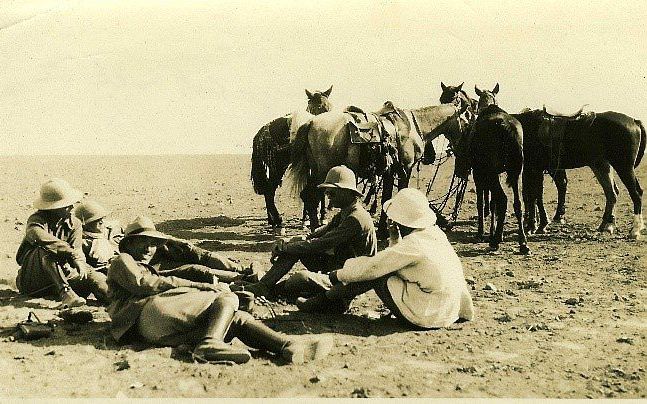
(529, 192)
(516, 204)
(480, 193)
(539, 198)
(387, 193)
(273, 215)
(486, 202)
(628, 177)
(501, 205)
(322, 209)
(561, 182)
(305, 222)
(604, 175)
(310, 197)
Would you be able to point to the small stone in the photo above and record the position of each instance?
(136, 385)
(625, 340)
(489, 286)
(470, 280)
(122, 365)
(50, 353)
(510, 274)
(458, 387)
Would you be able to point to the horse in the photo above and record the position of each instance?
(456, 94)
(494, 146)
(325, 142)
(598, 140)
(271, 153)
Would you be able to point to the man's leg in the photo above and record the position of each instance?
(306, 283)
(201, 273)
(94, 283)
(337, 299)
(41, 275)
(255, 334)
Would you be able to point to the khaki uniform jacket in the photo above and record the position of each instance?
(427, 283)
(350, 233)
(130, 286)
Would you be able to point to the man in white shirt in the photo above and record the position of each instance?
(419, 277)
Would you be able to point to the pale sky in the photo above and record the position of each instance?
(144, 77)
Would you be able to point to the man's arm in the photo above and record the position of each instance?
(38, 236)
(386, 261)
(125, 271)
(341, 234)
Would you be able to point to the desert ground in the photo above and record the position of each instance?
(568, 321)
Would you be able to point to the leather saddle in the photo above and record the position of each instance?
(368, 127)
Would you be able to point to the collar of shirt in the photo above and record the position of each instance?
(347, 210)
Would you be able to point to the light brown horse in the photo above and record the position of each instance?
(325, 142)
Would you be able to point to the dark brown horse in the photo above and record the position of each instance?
(458, 96)
(494, 146)
(271, 152)
(325, 142)
(599, 141)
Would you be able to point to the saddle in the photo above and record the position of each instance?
(553, 133)
(553, 129)
(368, 127)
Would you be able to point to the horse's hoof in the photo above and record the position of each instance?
(523, 249)
(606, 228)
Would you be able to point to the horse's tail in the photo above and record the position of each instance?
(515, 160)
(643, 139)
(260, 166)
(299, 170)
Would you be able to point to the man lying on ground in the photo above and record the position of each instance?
(176, 257)
(50, 256)
(349, 234)
(166, 310)
(418, 277)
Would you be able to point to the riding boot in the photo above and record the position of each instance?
(213, 346)
(257, 335)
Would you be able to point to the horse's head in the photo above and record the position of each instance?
(318, 101)
(486, 97)
(453, 94)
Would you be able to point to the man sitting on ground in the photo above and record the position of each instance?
(50, 256)
(350, 233)
(418, 277)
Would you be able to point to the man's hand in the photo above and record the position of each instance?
(82, 268)
(332, 275)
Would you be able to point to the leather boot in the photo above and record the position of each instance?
(303, 350)
(70, 299)
(213, 348)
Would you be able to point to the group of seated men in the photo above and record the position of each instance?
(166, 291)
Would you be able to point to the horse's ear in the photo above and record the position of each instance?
(496, 89)
(460, 87)
(478, 92)
(309, 94)
(327, 92)
(443, 86)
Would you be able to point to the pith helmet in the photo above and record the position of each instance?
(340, 177)
(88, 211)
(142, 226)
(56, 193)
(410, 208)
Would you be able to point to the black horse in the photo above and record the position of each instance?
(599, 141)
(271, 153)
(458, 96)
(494, 146)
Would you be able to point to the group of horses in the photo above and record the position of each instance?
(485, 140)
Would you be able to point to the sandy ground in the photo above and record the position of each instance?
(568, 321)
